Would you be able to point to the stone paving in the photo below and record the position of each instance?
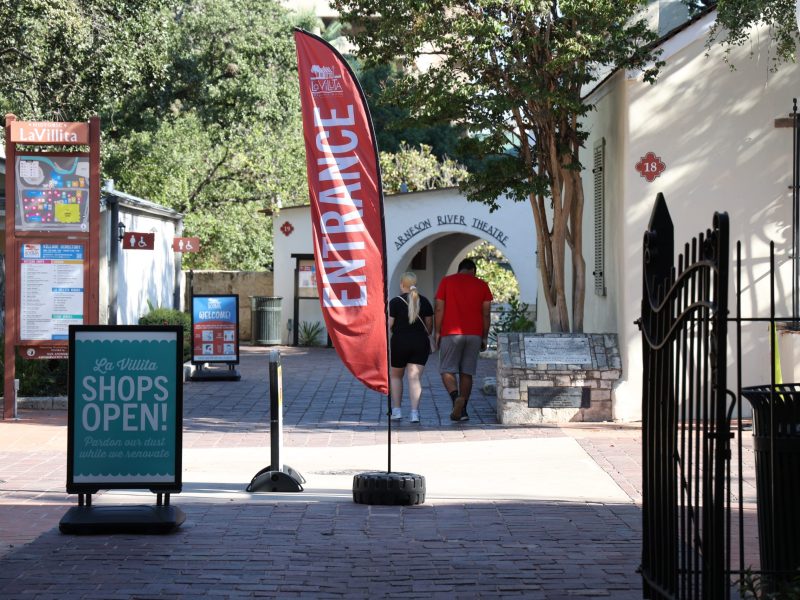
(471, 540)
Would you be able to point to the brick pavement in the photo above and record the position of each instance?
(481, 546)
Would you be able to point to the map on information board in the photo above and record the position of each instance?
(52, 193)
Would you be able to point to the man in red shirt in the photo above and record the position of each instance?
(463, 305)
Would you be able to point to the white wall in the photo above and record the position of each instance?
(145, 274)
(713, 127)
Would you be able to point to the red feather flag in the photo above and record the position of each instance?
(344, 184)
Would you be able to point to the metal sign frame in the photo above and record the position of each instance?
(128, 376)
(213, 339)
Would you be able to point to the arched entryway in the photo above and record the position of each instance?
(430, 235)
(426, 232)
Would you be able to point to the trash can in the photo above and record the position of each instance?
(776, 432)
(265, 320)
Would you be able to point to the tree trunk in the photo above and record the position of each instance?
(578, 263)
(550, 257)
(567, 229)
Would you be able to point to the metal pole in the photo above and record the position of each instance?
(277, 477)
(275, 410)
(795, 214)
(15, 416)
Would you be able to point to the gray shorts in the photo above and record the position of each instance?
(459, 353)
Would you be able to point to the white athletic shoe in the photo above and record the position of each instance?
(397, 414)
(415, 416)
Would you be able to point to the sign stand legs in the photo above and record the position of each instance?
(86, 518)
(229, 374)
(145, 455)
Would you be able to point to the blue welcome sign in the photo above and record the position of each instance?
(125, 408)
(215, 329)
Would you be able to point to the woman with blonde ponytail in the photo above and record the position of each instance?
(411, 325)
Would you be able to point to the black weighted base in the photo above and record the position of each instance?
(216, 375)
(87, 520)
(276, 481)
(286, 469)
(388, 488)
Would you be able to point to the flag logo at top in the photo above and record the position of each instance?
(324, 80)
(346, 209)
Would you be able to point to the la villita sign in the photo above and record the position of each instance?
(447, 220)
(45, 132)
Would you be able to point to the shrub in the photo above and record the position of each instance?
(170, 316)
(39, 377)
(515, 318)
(309, 333)
(42, 377)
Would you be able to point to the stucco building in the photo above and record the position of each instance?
(710, 138)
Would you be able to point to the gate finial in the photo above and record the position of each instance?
(658, 247)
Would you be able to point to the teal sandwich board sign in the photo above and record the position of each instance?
(125, 408)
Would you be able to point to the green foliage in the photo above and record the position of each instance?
(736, 19)
(419, 169)
(493, 269)
(756, 587)
(39, 377)
(69, 59)
(170, 316)
(238, 238)
(515, 317)
(395, 130)
(198, 103)
(42, 377)
(309, 334)
(505, 71)
(512, 75)
(228, 125)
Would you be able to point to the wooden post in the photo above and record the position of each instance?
(10, 330)
(91, 316)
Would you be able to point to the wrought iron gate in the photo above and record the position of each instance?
(685, 412)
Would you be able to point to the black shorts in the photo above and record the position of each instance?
(407, 349)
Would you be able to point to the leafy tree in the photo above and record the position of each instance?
(225, 139)
(736, 19)
(493, 269)
(393, 127)
(206, 181)
(419, 170)
(511, 74)
(69, 59)
(198, 101)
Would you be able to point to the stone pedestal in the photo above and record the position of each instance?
(556, 377)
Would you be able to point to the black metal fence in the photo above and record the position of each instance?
(698, 530)
(686, 421)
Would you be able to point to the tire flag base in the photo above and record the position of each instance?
(388, 488)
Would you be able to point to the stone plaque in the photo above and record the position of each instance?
(559, 397)
(557, 350)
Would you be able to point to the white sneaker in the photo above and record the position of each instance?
(415, 416)
(397, 414)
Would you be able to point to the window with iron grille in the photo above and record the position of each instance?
(599, 217)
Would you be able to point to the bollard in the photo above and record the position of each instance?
(16, 394)
(277, 477)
